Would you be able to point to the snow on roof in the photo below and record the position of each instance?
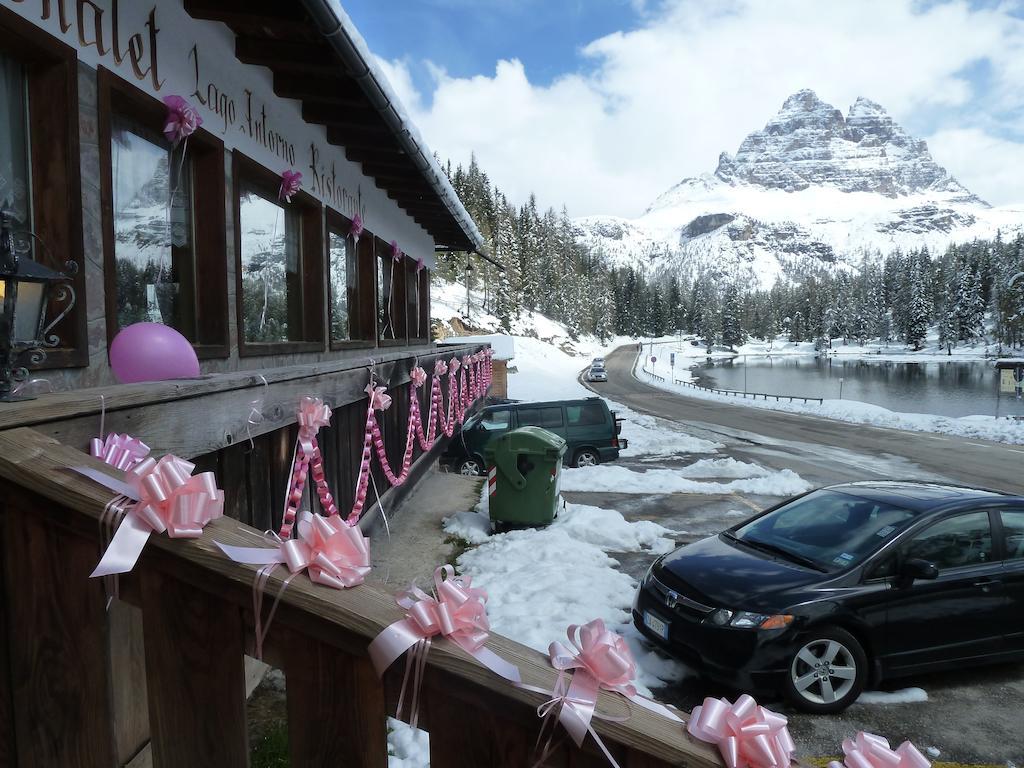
(503, 346)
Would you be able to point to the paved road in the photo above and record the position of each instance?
(822, 450)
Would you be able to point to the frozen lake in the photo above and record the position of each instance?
(955, 388)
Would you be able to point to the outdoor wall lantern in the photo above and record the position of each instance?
(27, 290)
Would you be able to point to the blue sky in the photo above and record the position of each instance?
(616, 100)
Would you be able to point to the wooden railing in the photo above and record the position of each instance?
(68, 697)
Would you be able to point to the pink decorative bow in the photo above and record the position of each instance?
(396, 252)
(167, 499)
(867, 750)
(418, 376)
(453, 365)
(121, 451)
(456, 610)
(746, 734)
(440, 368)
(182, 119)
(291, 181)
(312, 415)
(380, 400)
(356, 227)
(419, 265)
(334, 553)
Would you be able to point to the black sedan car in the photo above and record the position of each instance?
(844, 586)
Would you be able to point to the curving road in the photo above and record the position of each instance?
(821, 450)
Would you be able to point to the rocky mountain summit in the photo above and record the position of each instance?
(813, 187)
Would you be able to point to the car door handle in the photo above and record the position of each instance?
(987, 584)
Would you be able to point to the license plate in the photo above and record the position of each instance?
(656, 625)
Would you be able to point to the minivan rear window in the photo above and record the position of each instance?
(540, 417)
(584, 415)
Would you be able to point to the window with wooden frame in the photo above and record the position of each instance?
(414, 300)
(163, 220)
(391, 309)
(40, 176)
(345, 323)
(279, 264)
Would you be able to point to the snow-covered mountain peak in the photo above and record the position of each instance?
(814, 187)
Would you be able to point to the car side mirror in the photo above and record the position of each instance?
(916, 568)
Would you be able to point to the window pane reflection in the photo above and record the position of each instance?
(342, 256)
(271, 279)
(153, 237)
(384, 323)
(15, 187)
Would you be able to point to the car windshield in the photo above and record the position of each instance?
(826, 530)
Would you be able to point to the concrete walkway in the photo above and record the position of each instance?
(417, 542)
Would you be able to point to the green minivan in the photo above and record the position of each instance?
(590, 429)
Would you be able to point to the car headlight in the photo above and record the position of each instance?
(747, 620)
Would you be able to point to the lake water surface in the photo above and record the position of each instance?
(953, 388)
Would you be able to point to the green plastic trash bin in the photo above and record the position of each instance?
(524, 467)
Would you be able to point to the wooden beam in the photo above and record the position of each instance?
(285, 56)
(329, 114)
(324, 89)
(353, 137)
(267, 11)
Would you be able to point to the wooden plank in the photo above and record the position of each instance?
(261, 499)
(233, 480)
(203, 424)
(194, 663)
(128, 680)
(336, 713)
(347, 618)
(8, 748)
(57, 640)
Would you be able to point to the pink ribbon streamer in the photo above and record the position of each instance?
(182, 119)
(120, 451)
(291, 182)
(867, 750)
(168, 499)
(312, 414)
(356, 227)
(747, 735)
(456, 611)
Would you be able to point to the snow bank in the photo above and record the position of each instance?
(539, 581)
(902, 696)
(616, 479)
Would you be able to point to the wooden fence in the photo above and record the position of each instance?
(79, 689)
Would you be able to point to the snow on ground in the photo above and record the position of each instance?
(853, 411)
(902, 696)
(408, 747)
(616, 479)
(541, 580)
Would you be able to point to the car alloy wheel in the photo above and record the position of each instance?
(586, 459)
(470, 467)
(827, 673)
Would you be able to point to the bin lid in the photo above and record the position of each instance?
(531, 441)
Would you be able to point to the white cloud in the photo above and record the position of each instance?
(653, 105)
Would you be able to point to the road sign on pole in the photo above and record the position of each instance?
(672, 359)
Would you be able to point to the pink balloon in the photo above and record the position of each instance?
(152, 352)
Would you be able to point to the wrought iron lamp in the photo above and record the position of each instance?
(27, 289)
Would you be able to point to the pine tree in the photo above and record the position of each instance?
(733, 333)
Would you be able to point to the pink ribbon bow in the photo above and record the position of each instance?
(312, 415)
(333, 552)
(167, 499)
(440, 368)
(182, 119)
(453, 365)
(418, 376)
(121, 451)
(380, 400)
(746, 734)
(867, 750)
(396, 252)
(291, 181)
(456, 610)
(419, 265)
(356, 227)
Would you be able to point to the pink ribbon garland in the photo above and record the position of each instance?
(312, 414)
(182, 119)
(746, 734)
(120, 451)
(598, 659)
(168, 499)
(456, 611)
(867, 750)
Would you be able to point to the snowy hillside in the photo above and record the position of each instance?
(814, 187)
